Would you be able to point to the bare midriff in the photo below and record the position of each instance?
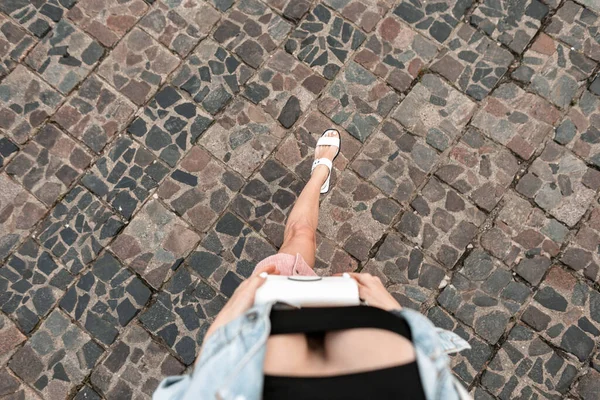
(343, 352)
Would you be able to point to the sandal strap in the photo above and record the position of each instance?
(322, 161)
(329, 141)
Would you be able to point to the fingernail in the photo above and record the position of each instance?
(263, 274)
(346, 275)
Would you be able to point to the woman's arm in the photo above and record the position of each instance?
(241, 300)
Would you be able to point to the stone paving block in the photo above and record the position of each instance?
(293, 10)
(38, 17)
(524, 238)
(78, 228)
(560, 183)
(443, 222)
(554, 71)
(355, 214)
(435, 18)
(49, 164)
(552, 4)
(182, 313)
(412, 277)
(484, 295)
(591, 4)
(267, 198)
(87, 393)
(13, 388)
(57, 358)
(396, 161)
(513, 24)
(580, 129)
(65, 56)
(180, 25)
(169, 125)
(285, 87)
(516, 119)
(20, 212)
(243, 136)
(14, 44)
(212, 76)
(251, 30)
(479, 169)
(228, 253)
(566, 312)
(595, 85)
(526, 367)
(364, 13)
(479, 393)
(107, 21)
(588, 386)
(32, 283)
(105, 299)
(155, 243)
(200, 188)
(7, 150)
(135, 366)
(296, 152)
(95, 113)
(396, 53)
(435, 111)
(137, 66)
(126, 176)
(330, 259)
(10, 339)
(324, 41)
(222, 5)
(358, 101)
(468, 363)
(472, 61)
(578, 27)
(582, 252)
(25, 103)
(596, 361)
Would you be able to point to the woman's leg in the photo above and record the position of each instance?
(300, 235)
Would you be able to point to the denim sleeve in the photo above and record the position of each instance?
(172, 388)
(428, 337)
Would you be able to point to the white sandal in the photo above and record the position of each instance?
(327, 141)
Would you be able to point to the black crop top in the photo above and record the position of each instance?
(399, 382)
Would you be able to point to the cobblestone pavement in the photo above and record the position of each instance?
(150, 151)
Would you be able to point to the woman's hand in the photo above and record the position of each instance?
(242, 299)
(371, 290)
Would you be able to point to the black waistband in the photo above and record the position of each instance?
(327, 319)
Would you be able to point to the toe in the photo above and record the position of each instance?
(327, 151)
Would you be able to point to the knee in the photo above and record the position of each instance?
(302, 230)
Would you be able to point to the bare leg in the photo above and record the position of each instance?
(300, 235)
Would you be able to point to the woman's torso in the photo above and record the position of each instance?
(232, 361)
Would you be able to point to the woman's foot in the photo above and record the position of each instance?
(321, 171)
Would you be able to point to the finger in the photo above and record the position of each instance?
(254, 282)
(364, 293)
(269, 269)
(363, 278)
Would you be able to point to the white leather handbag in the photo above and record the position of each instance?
(309, 291)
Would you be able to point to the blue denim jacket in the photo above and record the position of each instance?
(231, 362)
